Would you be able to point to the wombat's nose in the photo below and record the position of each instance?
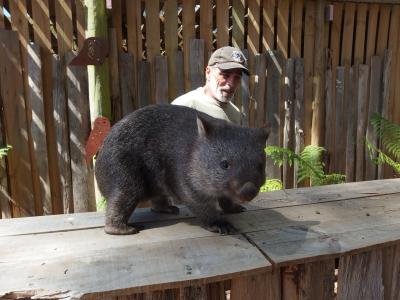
(248, 191)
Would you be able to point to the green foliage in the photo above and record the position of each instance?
(309, 164)
(101, 204)
(271, 185)
(4, 151)
(389, 135)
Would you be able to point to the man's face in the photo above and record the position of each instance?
(222, 84)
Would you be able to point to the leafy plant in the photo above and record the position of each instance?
(4, 151)
(309, 164)
(389, 135)
(271, 185)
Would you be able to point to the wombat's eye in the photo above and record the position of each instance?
(224, 164)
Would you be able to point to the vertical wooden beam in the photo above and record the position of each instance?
(287, 170)
(255, 287)
(298, 111)
(259, 88)
(161, 79)
(134, 33)
(360, 276)
(283, 28)
(15, 124)
(116, 15)
(373, 11)
(171, 44)
(126, 83)
(222, 22)
(64, 26)
(318, 105)
(351, 111)
(340, 124)
(268, 21)
(196, 53)
(362, 100)
(359, 45)
(188, 20)
(80, 21)
(115, 93)
(330, 114)
(383, 30)
(238, 23)
(206, 27)
(297, 28)
(347, 39)
(391, 272)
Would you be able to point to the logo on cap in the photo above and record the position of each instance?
(237, 56)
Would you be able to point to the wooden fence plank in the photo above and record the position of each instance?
(2, 25)
(171, 46)
(318, 103)
(373, 10)
(134, 34)
(329, 114)
(362, 100)
(316, 280)
(348, 29)
(115, 93)
(297, 27)
(116, 21)
(287, 170)
(180, 74)
(79, 129)
(38, 128)
(283, 27)
(206, 27)
(238, 12)
(152, 38)
(15, 124)
(161, 76)
(360, 276)
(359, 43)
(41, 23)
(374, 106)
(289, 283)
(351, 112)
(222, 7)
(274, 73)
(309, 32)
(188, 22)
(384, 170)
(244, 97)
(340, 125)
(60, 115)
(80, 22)
(391, 272)
(298, 111)
(383, 30)
(64, 26)
(144, 83)
(126, 82)
(259, 88)
(196, 62)
(255, 287)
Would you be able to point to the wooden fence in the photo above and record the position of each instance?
(316, 79)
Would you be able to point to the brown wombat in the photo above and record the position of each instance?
(170, 152)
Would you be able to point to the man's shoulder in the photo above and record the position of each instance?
(189, 98)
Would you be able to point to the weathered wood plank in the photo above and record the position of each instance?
(259, 88)
(144, 92)
(38, 128)
(351, 112)
(252, 287)
(197, 65)
(391, 271)
(340, 126)
(329, 114)
(134, 32)
(188, 22)
(244, 97)
(79, 129)
(64, 26)
(80, 22)
(222, 7)
(383, 30)
(171, 46)
(41, 23)
(116, 20)
(274, 73)
(374, 106)
(360, 276)
(126, 82)
(15, 124)
(296, 28)
(180, 73)
(238, 12)
(287, 170)
(174, 256)
(206, 27)
(282, 25)
(161, 79)
(362, 100)
(373, 10)
(115, 93)
(348, 29)
(298, 112)
(359, 44)
(61, 132)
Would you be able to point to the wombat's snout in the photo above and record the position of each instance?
(248, 191)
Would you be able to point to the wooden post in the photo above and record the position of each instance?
(98, 76)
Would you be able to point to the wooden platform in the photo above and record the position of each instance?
(288, 240)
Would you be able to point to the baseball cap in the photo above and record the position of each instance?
(227, 57)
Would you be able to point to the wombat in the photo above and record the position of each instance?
(171, 152)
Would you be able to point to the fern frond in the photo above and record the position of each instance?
(4, 151)
(378, 157)
(389, 133)
(271, 185)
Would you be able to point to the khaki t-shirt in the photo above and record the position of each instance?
(198, 100)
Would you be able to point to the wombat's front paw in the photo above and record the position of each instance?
(122, 230)
(236, 208)
(170, 209)
(221, 227)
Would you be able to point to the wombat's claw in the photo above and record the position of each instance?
(222, 227)
(170, 209)
(122, 230)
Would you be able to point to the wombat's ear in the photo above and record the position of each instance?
(203, 126)
(266, 129)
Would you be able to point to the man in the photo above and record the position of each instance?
(223, 76)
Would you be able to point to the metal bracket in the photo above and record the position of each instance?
(93, 52)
